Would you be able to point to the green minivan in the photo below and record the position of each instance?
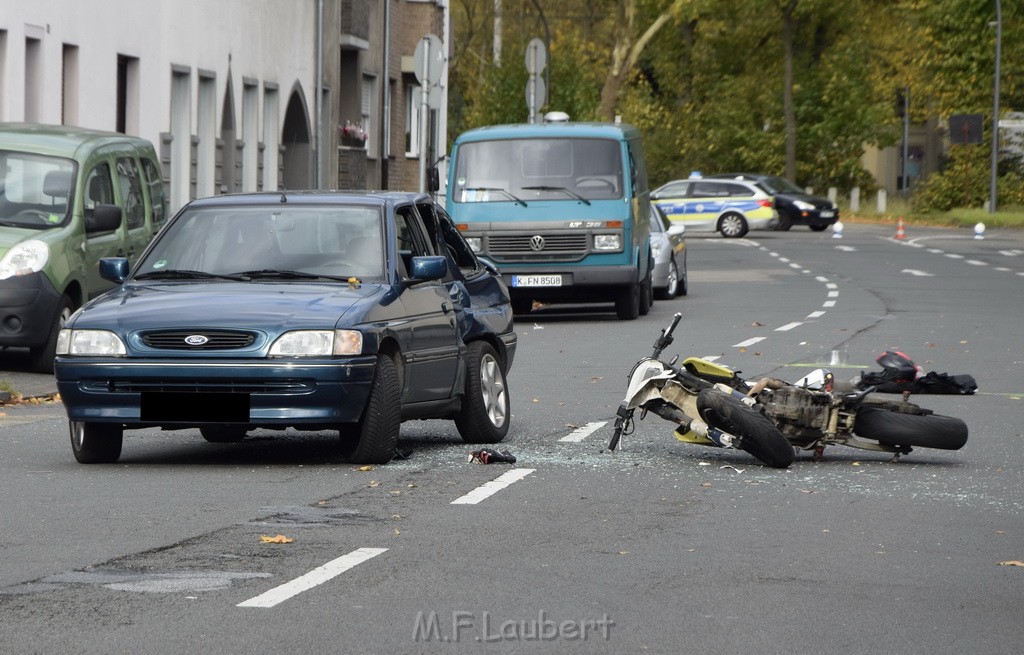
(68, 196)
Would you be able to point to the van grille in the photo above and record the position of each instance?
(525, 246)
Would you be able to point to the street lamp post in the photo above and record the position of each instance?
(995, 111)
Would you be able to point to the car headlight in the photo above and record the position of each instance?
(803, 206)
(92, 343)
(656, 246)
(476, 244)
(608, 242)
(24, 258)
(317, 343)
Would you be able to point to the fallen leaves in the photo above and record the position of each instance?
(1012, 562)
(277, 539)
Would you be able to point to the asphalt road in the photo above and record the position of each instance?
(661, 547)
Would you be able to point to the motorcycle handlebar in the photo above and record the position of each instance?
(665, 340)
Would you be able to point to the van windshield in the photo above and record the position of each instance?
(520, 170)
(35, 190)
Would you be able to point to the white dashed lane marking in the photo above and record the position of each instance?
(581, 433)
(494, 486)
(317, 576)
(788, 326)
(748, 342)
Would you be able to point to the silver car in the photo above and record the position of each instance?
(668, 246)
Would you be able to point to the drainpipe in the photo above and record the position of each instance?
(385, 132)
(318, 158)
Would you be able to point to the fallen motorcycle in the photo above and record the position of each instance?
(707, 411)
(818, 411)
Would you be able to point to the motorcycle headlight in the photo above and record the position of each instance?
(24, 258)
(90, 343)
(317, 343)
(608, 242)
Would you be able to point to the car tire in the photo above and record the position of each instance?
(223, 433)
(646, 294)
(784, 223)
(733, 225)
(375, 436)
(670, 290)
(684, 280)
(486, 412)
(41, 357)
(96, 443)
(819, 228)
(627, 302)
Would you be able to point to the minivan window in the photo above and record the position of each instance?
(35, 190)
(131, 192)
(156, 192)
(98, 188)
(507, 170)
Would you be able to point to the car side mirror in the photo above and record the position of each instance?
(491, 267)
(114, 269)
(677, 229)
(427, 268)
(103, 218)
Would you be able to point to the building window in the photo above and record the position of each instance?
(127, 94)
(368, 114)
(413, 100)
(33, 80)
(69, 86)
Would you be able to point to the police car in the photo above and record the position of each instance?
(731, 207)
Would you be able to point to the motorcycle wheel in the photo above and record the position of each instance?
(758, 436)
(899, 429)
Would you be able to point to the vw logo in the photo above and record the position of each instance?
(537, 243)
(196, 339)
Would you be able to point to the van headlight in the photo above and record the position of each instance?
(24, 258)
(317, 343)
(608, 242)
(90, 343)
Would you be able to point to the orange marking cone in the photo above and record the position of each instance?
(900, 234)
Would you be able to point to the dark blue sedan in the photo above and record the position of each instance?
(346, 311)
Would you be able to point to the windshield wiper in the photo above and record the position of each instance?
(557, 188)
(288, 275)
(500, 190)
(179, 274)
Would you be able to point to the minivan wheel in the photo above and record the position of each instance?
(733, 226)
(42, 356)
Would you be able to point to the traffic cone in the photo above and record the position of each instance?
(900, 234)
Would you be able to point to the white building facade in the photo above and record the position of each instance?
(225, 89)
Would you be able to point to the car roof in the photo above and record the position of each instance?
(554, 129)
(308, 197)
(60, 140)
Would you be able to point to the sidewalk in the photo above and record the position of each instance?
(15, 378)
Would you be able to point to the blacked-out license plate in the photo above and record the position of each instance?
(188, 407)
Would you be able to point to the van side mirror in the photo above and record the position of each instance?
(433, 180)
(103, 218)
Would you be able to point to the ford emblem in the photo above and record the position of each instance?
(196, 339)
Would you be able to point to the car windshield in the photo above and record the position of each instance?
(520, 170)
(35, 190)
(780, 185)
(279, 243)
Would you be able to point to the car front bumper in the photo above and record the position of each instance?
(183, 393)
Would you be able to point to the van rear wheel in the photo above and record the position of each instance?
(627, 302)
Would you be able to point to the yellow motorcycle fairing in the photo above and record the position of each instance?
(708, 370)
(692, 437)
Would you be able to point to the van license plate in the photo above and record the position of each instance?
(536, 280)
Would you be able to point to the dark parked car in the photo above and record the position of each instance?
(795, 206)
(346, 311)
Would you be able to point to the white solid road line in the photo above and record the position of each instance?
(317, 576)
(492, 487)
(581, 433)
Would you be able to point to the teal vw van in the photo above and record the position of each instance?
(562, 208)
(68, 196)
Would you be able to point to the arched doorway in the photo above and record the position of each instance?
(297, 160)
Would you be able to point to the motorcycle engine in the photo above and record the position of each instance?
(796, 410)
